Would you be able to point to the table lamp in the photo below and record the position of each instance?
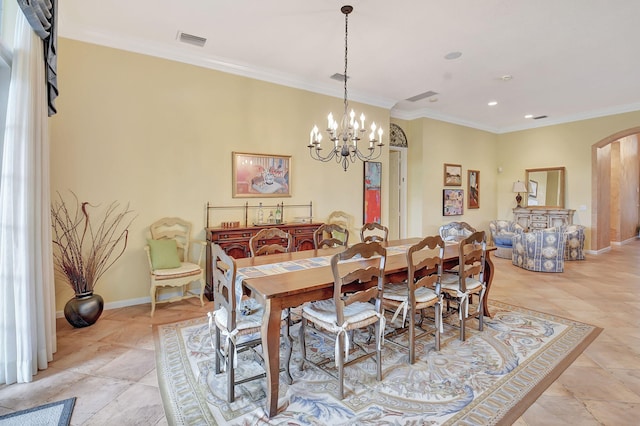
(519, 187)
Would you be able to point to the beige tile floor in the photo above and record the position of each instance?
(114, 377)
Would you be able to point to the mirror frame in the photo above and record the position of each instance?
(562, 184)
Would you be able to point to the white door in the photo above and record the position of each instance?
(397, 193)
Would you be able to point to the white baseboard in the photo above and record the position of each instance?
(118, 304)
(596, 252)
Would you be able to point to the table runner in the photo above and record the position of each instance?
(295, 265)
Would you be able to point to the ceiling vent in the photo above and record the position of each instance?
(422, 96)
(191, 39)
(338, 76)
(539, 117)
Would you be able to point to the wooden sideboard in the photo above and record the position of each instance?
(542, 217)
(235, 242)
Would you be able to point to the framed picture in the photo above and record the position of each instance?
(259, 175)
(372, 191)
(533, 188)
(452, 175)
(452, 202)
(473, 183)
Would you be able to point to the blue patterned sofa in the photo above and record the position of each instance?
(502, 232)
(540, 250)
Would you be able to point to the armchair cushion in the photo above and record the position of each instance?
(164, 254)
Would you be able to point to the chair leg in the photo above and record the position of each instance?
(303, 347)
(217, 350)
(379, 350)
(288, 343)
(340, 364)
(480, 314)
(462, 319)
(153, 299)
(231, 373)
(202, 286)
(438, 321)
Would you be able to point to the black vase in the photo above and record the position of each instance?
(84, 309)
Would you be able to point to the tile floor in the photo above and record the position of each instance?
(114, 377)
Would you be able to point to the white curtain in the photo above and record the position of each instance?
(27, 295)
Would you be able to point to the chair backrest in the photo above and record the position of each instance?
(173, 228)
(224, 280)
(471, 259)
(358, 281)
(498, 227)
(424, 264)
(341, 218)
(269, 241)
(456, 231)
(373, 232)
(330, 235)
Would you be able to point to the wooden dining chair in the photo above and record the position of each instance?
(373, 231)
(238, 319)
(468, 280)
(330, 235)
(419, 292)
(356, 285)
(270, 241)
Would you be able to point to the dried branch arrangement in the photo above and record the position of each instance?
(83, 250)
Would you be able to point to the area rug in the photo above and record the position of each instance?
(55, 413)
(491, 378)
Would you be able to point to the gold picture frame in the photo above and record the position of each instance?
(261, 175)
(452, 174)
(473, 189)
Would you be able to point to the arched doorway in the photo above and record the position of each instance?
(604, 171)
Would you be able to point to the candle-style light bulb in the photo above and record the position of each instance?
(380, 135)
(329, 120)
(362, 120)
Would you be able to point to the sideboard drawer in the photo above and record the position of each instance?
(538, 225)
(231, 235)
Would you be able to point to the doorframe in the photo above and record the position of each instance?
(596, 245)
(403, 188)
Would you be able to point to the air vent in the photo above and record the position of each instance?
(422, 96)
(191, 39)
(338, 76)
(539, 117)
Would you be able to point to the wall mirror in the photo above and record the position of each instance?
(546, 187)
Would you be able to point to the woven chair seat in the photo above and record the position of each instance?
(450, 283)
(245, 324)
(186, 269)
(356, 315)
(400, 293)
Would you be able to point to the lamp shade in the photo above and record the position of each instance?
(519, 186)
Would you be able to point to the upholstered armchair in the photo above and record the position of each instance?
(502, 232)
(456, 231)
(574, 248)
(541, 250)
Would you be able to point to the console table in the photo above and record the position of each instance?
(235, 242)
(542, 217)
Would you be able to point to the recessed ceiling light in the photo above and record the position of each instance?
(453, 55)
(433, 99)
(506, 77)
(493, 103)
(528, 116)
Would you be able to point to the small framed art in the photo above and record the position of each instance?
(452, 175)
(452, 202)
(473, 183)
(260, 175)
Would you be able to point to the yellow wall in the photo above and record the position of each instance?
(159, 135)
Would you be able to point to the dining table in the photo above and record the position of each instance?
(287, 280)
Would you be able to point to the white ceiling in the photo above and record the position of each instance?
(570, 59)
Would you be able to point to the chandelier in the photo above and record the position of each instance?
(344, 136)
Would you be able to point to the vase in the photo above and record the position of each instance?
(84, 309)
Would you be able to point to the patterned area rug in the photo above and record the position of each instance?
(491, 378)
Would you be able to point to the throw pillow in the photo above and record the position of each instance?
(164, 254)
